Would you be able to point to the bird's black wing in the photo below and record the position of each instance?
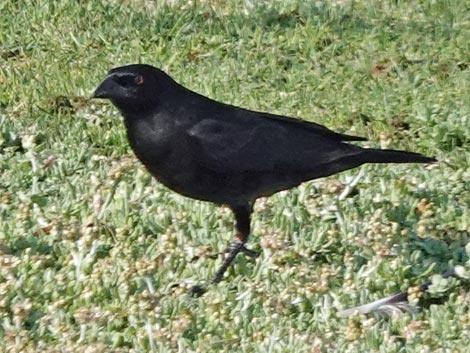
(320, 129)
(229, 147)
(226, 146)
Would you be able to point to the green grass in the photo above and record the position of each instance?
(95, 256)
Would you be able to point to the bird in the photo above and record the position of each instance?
(216, 152)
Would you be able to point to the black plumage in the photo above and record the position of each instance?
(224, 154)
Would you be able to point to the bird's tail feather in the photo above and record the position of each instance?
(372, 155)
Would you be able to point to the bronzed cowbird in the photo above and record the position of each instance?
(224, 154)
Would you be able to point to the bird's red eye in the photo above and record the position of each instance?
(139, 80)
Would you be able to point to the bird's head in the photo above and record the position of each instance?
(133, 88)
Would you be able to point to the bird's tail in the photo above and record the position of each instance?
(371, 155)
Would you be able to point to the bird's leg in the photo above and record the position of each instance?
(242, 216)
(239, 239)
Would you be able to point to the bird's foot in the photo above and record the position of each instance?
(238, 246)
(229, 253)
(249, 252)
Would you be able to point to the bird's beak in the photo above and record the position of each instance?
(106, 90)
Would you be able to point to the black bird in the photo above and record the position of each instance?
(227, 155)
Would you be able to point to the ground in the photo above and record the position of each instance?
(95, 256)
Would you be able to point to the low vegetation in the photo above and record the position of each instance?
(95, 256)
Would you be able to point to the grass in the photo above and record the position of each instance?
(95, 256)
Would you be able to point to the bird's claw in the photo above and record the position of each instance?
(249, 252)
(238, 246)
